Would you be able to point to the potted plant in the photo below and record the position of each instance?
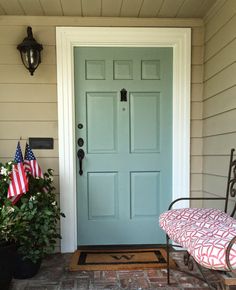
(7, 246)
(28, 212)
(30, 225)
(39, 212)
(10, 227)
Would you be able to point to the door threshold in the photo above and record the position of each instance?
(120, 247)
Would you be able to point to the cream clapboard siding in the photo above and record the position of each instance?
(28, 104)
(196, 115)
(219, 98)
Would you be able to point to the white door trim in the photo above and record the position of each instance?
(69, 37)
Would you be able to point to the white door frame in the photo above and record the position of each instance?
(69, 37)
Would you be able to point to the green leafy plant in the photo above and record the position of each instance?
(33, 221)
(5, 178)
(40, 213)
(10, 223)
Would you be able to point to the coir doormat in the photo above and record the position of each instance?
(119, 260)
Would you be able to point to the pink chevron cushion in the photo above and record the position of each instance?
(205, 233)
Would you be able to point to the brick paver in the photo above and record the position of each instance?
(54, 275)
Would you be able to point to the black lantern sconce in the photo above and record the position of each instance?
(30, 51)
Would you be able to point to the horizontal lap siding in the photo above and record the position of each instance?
(219, 98)
(28, 104)
(196, 114)
(28, 93)
(7, 147)
(24, 129)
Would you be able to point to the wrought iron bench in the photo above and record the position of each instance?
(208, 235)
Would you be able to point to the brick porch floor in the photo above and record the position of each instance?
(54, 275)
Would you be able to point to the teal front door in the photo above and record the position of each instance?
(124, 141)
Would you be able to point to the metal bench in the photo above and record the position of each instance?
(208, 234)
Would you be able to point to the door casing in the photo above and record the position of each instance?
(69, 37)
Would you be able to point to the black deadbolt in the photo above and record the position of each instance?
(80, 142)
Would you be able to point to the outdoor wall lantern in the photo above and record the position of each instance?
(30, 51)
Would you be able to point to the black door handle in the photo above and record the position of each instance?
(80, 155)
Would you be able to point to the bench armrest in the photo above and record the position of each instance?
(195, 198)
(228, 249)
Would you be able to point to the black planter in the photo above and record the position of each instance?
(7, 262)
(25, 269)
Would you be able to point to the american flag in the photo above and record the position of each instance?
(19, 183)
(31, 164)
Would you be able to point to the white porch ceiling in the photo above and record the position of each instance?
(108, 8)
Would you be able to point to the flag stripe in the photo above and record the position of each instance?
(19, 182)
(31, 164)
(22, 176)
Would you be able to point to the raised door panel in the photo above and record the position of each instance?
(102, 195)
(102, 122)
(145, 122)
(145, 194)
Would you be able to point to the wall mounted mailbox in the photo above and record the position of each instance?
(41, 143)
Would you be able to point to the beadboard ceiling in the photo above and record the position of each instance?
(108, 8)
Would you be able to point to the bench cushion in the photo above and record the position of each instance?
(205, 233)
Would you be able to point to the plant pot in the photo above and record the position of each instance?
(7, 262)
(25, 269)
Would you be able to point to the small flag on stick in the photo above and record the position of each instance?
(19, 183)
(31, 164)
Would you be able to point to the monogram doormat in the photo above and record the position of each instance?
(94, 260)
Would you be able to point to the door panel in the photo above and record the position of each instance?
(102, 186)
(123, 69)
(101, 122)
(145, 122)
(145, 202)
(127, 169)
(150, 69)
